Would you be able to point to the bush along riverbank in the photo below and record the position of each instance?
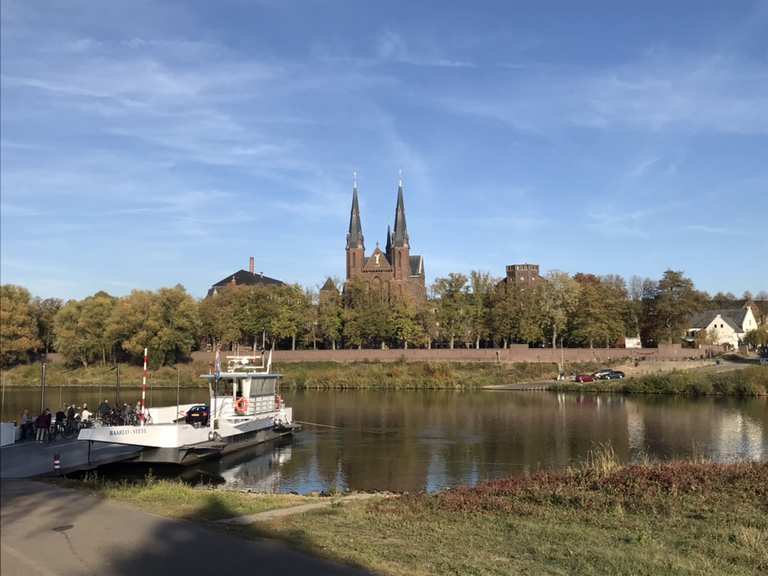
(308, 375)
(601, 518)
(744, 382)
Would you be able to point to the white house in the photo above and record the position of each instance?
(726, 327)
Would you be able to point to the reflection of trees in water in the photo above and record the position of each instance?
(722, 429)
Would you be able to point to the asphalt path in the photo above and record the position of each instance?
(47, 530)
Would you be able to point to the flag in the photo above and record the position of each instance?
(217, 365)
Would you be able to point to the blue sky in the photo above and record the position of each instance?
(147, 144)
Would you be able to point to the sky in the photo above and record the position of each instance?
(146, 144)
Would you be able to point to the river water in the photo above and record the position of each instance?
(408, 441)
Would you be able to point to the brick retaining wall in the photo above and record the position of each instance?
(513, 354)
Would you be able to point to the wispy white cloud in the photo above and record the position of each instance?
(717, 230)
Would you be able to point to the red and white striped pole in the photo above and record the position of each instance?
(144, 391)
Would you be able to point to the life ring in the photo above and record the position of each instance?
(241, 405)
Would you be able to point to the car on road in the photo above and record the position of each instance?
(584, 378)
(608, 375)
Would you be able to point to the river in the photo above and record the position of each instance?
(408, 441)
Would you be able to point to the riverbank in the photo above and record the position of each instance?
(307, 375)
(744, 382)
(602, 518)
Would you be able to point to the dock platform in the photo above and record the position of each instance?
(29, 459)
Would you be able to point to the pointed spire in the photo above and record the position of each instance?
(355, 235)
(400, 234)
(389, 243)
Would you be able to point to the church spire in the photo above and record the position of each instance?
(400, 234)
(355, 234)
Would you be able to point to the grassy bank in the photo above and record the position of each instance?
(176, 499)
(745, 382)
(310, 375)
(603, 518)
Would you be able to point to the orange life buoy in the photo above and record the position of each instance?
(241, 405)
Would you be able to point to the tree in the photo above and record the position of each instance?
(479, 305)
(557, 298)
(329, 316)
(675, 301)
(18, 328)
(453, 312)
(292, 307)
(758, 338)
(601, 310)
(82, 329)
(406, 327)
(166, 322)
(45, 311)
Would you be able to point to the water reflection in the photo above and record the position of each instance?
(408, 441)
(428, 441)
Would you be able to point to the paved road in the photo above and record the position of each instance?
(27, 459)
(47, 530)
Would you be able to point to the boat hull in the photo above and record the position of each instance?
(192, 454)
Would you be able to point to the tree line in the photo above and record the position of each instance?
(474, 310)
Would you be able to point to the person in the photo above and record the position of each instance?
(104, 408)
(61, 416)
(85, 415)
(71, 415)
(27, 425)
(42, 424)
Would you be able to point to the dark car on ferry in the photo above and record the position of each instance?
(197, 415)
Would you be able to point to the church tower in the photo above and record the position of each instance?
(355, 241)
(400, 247)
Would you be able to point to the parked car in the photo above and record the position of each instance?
(615, 375)
(197, 415)
(585, 378)
(602, 374)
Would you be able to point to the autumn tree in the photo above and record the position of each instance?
(166, 322)
(479, 305)
(557, 298)
(44, 311)
(329, 313)
(81, 328)
(452, 311)
(18, 328)
(674, 301)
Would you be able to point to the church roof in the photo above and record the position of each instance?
(377, 261)
(400, 233)
(355, 234)
(329, 285)
(245, 278)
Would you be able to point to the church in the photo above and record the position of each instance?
(393, 273)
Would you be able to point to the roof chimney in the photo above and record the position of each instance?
(251, 265)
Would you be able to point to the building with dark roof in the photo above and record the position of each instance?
(245, 278)
(393, 273)
(522, 275)
(726, 326)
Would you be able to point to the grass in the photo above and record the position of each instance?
(309, 375)
(602, 517)
(176, 499)
(744, 382)
(677, 518)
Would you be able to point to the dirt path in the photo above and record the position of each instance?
(301, 509)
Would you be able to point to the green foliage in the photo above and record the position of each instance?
(19, 339)
(82, 329)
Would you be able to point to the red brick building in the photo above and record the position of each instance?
(393, 273)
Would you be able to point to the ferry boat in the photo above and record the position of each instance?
(245, 409)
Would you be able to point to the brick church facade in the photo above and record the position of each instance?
(393, 273)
